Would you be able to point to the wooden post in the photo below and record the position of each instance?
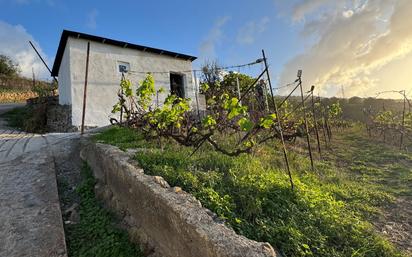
(403, 119)
(238, 88)
(34, 78)
(85, 87)
(196, 88)
(285, 155)
(325, 119)
(315, 122)
(306, 122)
(121, 103)
(266, 98)
(323, 123)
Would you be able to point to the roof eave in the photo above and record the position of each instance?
(66, 34)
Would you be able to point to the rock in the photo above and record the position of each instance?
(74, 217)
(71, 208)
(210, 213)
(177, 190)
(268, 249)
(161, 181)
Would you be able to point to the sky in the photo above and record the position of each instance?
(344, 47)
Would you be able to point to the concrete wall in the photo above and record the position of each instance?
(166, 221)
(104, 77)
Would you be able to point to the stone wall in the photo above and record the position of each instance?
(59, 118)
(164, 220)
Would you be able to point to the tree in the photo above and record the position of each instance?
(8, 67)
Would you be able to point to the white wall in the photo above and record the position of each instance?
(104, 78)
(65, 96)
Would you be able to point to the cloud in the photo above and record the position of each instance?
(306, 7)
(208, 45)
(15, 44)
(91, 19)
(347, 13)
(248, 33)
(355, 46)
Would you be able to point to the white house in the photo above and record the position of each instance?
(107, 59)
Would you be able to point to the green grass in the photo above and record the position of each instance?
(16, 117)
(28, 118)
(124, 138)
(96, 235)
(375, 163)
(327, 214)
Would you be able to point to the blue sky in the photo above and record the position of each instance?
(359, 45)
(232, 32)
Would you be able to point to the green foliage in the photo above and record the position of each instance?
(245, 124)
(385, 118)
(126, 86)
(324, 216)
(335, 110)
(174, 120)
(28, 118)
(96, 235)
(213, 83)
(124, 138)
(268, 121)
(229, 85)
(204, 87)
(258, 203)
(44, 90)
(8, 67)
(208, 121)
(16, 117)
(233, 106)
(408, 120)
(145, 92)
(170, 114)
(117, 107)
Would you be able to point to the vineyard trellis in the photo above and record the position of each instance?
(386, 122)
(230, 113)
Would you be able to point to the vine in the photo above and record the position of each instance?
(174, 119)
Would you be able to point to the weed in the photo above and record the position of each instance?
(96, 235)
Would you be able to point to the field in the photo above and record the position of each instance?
(357, 202)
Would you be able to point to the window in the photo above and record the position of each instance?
(177, 85)
(123, 67)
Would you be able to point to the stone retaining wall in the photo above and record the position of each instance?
(164, 220)
(59, 118)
